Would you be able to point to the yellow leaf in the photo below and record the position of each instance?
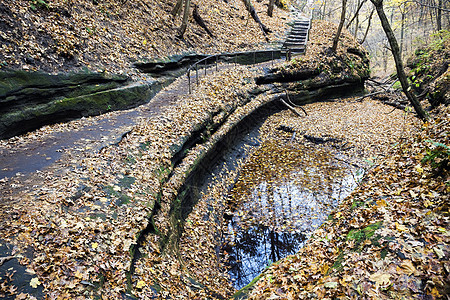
(400, 227)
(427, 203)
(94, 245)
(419, 169)
(435, 293)
(381, 279)
(381, 202)
(442, 229)
(324, 269)
(78, 275)
(35, 282)
(140, 284)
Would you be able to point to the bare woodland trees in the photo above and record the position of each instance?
(179, 4)
(397, 58)
(182, 29)
(341, 24)
(409, 22)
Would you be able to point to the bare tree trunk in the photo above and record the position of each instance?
(398, 61)
(270, 8)
(200, 20)
(360, 4)
(439, 16)
(324, 10)
(341, 24)
(368, 27)
(252, 11)
(177, 8)
(402, 32)
(182, 29)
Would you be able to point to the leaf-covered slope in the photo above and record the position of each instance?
(57, 35)
(389, 239)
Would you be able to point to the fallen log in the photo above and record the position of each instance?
(319, 140)
(290, 107)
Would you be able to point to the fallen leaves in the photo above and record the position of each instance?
(113, 35)
(34, 283)
(406, 255)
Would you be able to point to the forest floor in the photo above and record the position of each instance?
(73, 228)
(393, 229)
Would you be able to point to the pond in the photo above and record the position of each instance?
(284, 191)
(264, 190)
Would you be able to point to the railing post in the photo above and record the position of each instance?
(189, 80)
(205, 66)
(254, 57)
(196, 72)
(235, 60)
(217, 59)
(272, 57)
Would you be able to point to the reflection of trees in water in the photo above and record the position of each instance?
(255, 248)
(282, 194)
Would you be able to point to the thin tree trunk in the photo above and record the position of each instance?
(200, 20)
(368, 26)
(252, 11)
(360, 5)
(182, 29)
(270, 8)
(177, 8)
(402, 33)
(356, 27)
(341, 24)
(439, 16)
(324, 10)
(398, 61)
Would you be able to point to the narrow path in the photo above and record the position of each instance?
(54, 147)
(47, 145)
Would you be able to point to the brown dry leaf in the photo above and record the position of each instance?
(381, 279)
(407, 267)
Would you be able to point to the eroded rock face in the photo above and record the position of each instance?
(429, 71)
(29, 100)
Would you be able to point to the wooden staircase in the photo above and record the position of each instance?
(297, 38)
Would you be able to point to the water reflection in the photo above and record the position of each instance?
(282, 194)
(256, 247)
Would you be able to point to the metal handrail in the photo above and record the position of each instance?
(234, 56)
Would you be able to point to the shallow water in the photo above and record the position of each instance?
(283, 193)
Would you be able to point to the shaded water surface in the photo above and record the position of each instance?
(283, 193)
